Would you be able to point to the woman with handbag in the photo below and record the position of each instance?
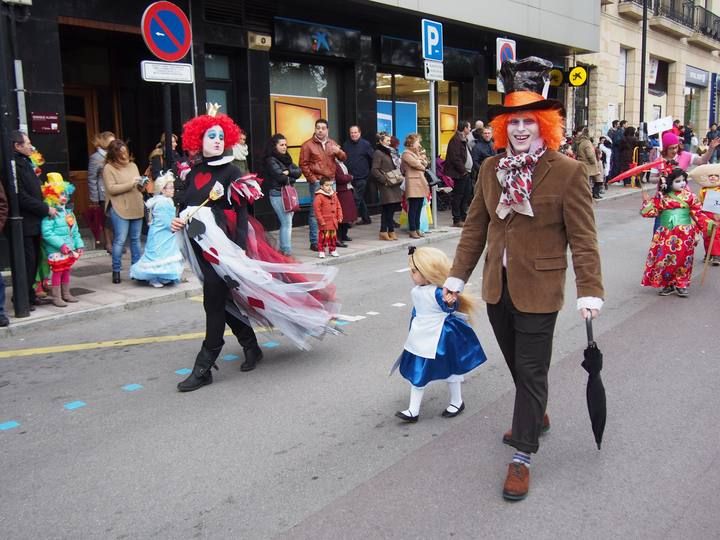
(344, 191)
(388, 177)
(414, 163)
(99, 224)
(280, 175)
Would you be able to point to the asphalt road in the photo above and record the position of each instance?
(306, 446)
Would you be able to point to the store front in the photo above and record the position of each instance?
(696, 98)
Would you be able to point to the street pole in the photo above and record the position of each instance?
(21, 299)
(433, 150)
(167, 117)
(643, 83)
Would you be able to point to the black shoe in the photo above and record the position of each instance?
(346, 239)
(367, 221)
(340, 243)
(313, 247)
(4, 321)
(667, 291)
(201, 374)
(682, 292)
(116, 277)
(458, 410)
(253, 355)
(715, 261)
(406, 417)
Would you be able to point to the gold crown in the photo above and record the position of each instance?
(212, 108)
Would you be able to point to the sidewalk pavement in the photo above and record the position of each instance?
(91, 275)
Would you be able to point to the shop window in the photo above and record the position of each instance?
(692, 106)
(300, 94)
(403, 107)
(217, 67)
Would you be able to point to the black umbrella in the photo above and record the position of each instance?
(595, 391)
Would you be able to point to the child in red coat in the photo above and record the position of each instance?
(328, 214)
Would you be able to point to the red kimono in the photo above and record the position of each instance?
(670, 259)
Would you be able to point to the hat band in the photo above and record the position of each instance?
(524, 97)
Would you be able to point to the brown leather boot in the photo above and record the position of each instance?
(545, 428)
(65, 289)
(393, 236)
(517, 482)
(57, 297)
(414, 234)
(385, 236)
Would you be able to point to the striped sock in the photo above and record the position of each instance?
(522, 457)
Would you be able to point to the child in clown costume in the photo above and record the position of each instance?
(670, 259)
(708, 177)
(60, 238)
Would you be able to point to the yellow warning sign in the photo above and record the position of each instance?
(557, 77)
(577, 76)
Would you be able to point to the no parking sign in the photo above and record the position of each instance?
(166, 31)
(505, 50)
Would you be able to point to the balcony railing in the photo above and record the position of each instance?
(707, 23)
(677, 10)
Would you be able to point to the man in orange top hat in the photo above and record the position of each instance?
(531, 203)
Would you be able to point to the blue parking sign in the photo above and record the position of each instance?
(432, 40)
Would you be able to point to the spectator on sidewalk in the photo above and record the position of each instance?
(280, 171)
(317, 160)
(4, 321)
(476, 134)
(240, 153)
(329, 215)
(482, 150)
(458, 165)
(388, 178)
(586, 155)
(99, 224)
(414, 163)
(359, 161)
(124, 203)
(32, 208)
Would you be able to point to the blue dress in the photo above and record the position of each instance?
(162, 262)
(440, 343)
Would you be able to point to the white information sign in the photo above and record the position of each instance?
(712, 202)
(434, 71)
(166, 72)
(658, 126)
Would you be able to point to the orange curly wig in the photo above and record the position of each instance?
(194, 130)
(550, 123)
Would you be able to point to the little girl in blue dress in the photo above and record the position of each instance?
(162, 262)
(441, 345)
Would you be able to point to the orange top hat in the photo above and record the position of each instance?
(526, 82)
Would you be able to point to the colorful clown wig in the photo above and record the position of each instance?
(54, 188)
(194, 130)
(550, 122)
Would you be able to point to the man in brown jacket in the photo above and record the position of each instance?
(531, 203)
(317, 160)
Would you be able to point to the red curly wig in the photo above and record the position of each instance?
(194, 131)
(550, 122)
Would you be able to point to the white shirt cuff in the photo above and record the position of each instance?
(454, 284)
(590, 302)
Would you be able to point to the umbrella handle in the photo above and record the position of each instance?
(589, 328)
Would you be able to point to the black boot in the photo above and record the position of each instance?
(201, 373)
(596, 191)
(116, 277)
(252, 356)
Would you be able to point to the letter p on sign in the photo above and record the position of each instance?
(432, 40)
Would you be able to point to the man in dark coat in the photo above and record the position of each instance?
(458, 165)
(32, 207)
(482, 150)
(359, 161)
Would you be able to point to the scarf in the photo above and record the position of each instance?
(285, 159)
(514, 173)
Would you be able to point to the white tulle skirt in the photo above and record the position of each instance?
(295, 299)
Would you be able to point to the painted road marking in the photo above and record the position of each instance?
(132, 387)
(402, 270)
(399, 304)
(74, 405)
(230, 357)
(107, 344)
(373, 313)
(350, 318)
(341, 323)
(9, 425)
(270, 344)
(184, 371)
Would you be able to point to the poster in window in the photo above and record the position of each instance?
(447, 125)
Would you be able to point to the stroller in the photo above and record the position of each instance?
(444, 187)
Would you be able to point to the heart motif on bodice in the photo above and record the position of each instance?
(201, 180)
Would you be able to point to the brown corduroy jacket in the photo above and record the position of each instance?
(536, 247)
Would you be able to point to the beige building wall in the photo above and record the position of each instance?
(609, 97)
